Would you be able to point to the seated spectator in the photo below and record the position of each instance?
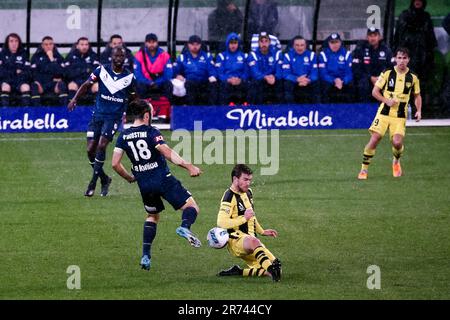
(370, 58)
(80, 62)
(262, 17)
(266, 84)
(196, 68)
(114, 42)
(225, 19)
(153, 69)
(300, 73)
(335, 71)
(232, 71)
(274, 42)
(15, 72)
(47, 67)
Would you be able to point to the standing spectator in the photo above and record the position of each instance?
(15, 72)
(47, 67)
(414, 30)
(263, 17)
(300, 73)
(446, 24)
(197, 70)
(225, 19)
(446, 86)
(232, 71)
(370, 58)
(153, 69)
(114, 42)
(335, 71)
(80, 63)
(265, 72)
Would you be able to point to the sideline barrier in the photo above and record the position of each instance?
(47, 119)
(283, 117)
(306, 117)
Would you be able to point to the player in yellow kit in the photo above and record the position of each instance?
(237, 216)
(393, 89)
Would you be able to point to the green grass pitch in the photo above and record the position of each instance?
(331, 226)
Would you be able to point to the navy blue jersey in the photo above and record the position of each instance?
(149, 166)
(113, 91)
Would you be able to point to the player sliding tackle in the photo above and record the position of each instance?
(393, 89)
(236, 214)
(145, 147)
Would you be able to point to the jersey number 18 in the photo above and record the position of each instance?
(140, 150)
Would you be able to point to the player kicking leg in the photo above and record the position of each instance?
(145, 147)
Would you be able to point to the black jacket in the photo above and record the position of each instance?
(414, 30)
(78, 66)
(14, 67)
(43, 70)
(370, 62)
(222, 22)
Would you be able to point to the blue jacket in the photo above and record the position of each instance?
(44, 70)
(296, 65)
(262, 65)
(197, 69)
(334, 65)
(232, 64)
(11, 63)
(80, 67)
(370, 62)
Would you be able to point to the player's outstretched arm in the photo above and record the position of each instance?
(418, 104)
(118, 166)
(81, 92)
(175, 158)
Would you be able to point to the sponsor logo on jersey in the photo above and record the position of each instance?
(112, 99)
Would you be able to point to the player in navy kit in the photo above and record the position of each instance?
(145, 147)
(116, 87)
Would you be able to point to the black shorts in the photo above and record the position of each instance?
(102, 127)
(171, 190)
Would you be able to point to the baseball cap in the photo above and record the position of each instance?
(194, 39)
(263, 35)
(373, 30)
(151, 37)
(334, 36)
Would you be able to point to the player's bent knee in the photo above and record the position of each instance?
(6, 87)
(154, 217)
(191, 203)
(251, 243)
(73, 86)
(24, 87)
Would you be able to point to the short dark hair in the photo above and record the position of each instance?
(115, 36)
(137, 109)
(46, 38)
(82, 38)
(402, 50)
(239, 169)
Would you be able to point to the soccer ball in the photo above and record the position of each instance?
(217, 237)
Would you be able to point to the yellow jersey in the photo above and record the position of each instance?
(232, 210)
(397, 85)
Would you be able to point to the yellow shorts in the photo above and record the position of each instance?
(382, 123)
(236, 248)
